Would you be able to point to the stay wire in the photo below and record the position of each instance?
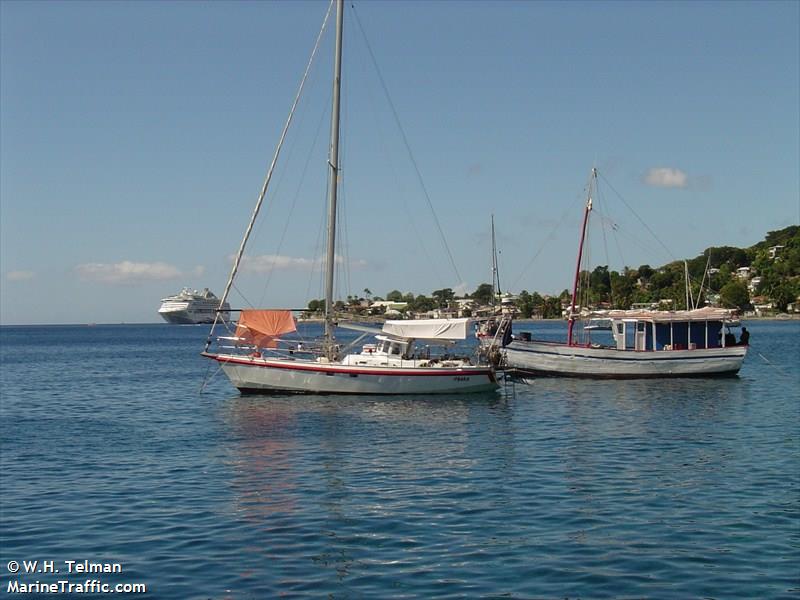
(268, 178)
(635, 214)
(407, 145)
(547, 239)
(294, 202)
(406, 210)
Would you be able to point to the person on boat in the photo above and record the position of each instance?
(508, 336)
(744, 339)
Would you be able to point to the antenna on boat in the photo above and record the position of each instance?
(495, 269)
(689, 295)
(333, 181)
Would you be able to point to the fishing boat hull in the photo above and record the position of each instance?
(544, 358)
(264, 375)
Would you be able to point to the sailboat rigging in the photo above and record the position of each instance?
(646, 343)
(255, 361)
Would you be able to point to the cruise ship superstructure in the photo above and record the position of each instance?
(189, 307)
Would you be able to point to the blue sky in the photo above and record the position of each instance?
(135, 136)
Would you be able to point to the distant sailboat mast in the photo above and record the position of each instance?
(333, 163)
(495, 270)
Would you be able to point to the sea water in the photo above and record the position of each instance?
(550, 488)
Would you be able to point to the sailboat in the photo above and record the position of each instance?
(257, 358)
(645, 343)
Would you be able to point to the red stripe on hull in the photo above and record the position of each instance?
(410, 371)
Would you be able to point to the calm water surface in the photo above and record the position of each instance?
(563, 489)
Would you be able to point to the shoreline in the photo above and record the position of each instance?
(783, 319)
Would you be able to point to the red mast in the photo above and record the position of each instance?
(587, 210)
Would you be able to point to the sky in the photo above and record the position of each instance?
(135, 138)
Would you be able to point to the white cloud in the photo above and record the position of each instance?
(127, 272)
(666, 177)
(20, 275)
(268, 262)
(199, 271)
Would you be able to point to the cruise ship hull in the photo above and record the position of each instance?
(182, 317)
(192, 307)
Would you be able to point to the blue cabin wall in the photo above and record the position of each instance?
(680, 334)
(662, 335)
(698, 334)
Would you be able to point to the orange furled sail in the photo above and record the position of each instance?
(263, 328)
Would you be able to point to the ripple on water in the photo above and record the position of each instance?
(673, 489)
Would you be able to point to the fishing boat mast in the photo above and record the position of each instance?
(333, 180)
(587, 210)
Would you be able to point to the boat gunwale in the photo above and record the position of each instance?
(297, 365)
(630, 351)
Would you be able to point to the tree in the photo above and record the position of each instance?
(484, 294)
(551, 308)
(443, 297)
(734, 294)
(600, 284)
(394, 296)
(645, 272)
(422, 303)
(525, 304)
(782, 295)
(622, 289)
(316, 306)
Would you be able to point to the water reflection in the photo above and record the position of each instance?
(263, 478)
(343, 474)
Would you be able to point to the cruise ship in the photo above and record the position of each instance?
(189, 307)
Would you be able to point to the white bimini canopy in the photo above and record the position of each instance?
(663, 316)
(428, 329)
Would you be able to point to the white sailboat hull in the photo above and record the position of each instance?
(545, 358)
(266, 375)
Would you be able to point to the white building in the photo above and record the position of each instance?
(774, 251)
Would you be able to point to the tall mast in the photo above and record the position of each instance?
(333, 180)
(238, 259)
(495, 270)
(586, 212)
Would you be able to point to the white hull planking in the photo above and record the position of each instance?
(580, 361)
(251, 374)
